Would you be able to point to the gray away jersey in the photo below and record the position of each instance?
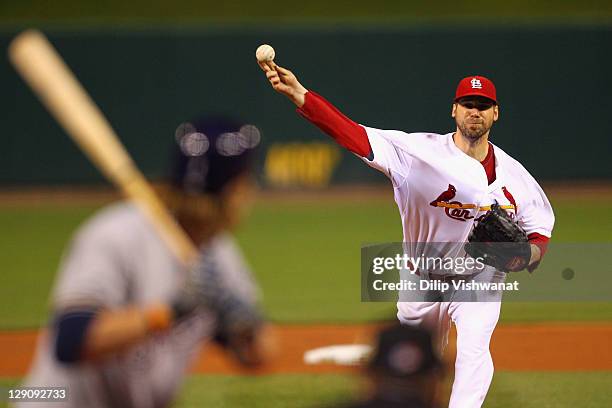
(115, 260)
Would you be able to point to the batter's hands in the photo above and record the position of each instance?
(284, 82)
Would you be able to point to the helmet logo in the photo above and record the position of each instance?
(476, 84)
(194, 144)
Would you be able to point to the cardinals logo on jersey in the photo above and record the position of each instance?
(454, 209)
(510, 198)
(445, 197)
(511, 209)
(459, 211)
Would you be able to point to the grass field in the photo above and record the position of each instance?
(306, 258)
(509, 390)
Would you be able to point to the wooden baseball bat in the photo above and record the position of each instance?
(50, 78)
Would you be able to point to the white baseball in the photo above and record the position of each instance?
(264, 53)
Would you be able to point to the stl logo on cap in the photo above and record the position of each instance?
(476, 84)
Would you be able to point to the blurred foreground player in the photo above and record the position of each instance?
(128, 318)
(404, 372)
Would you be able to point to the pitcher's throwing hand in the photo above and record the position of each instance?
(284, 82)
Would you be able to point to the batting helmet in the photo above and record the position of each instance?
(210, 152)
(404, 351)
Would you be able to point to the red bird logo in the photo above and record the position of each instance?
(510, 198)
(445, 197)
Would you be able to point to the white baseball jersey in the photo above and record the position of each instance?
(117, 259)
(441, 191)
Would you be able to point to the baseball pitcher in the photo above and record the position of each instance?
(455, 187)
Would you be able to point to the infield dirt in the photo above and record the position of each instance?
(515, 347)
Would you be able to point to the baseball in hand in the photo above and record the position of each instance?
(264, 53)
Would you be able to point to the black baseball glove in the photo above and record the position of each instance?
(499, 241)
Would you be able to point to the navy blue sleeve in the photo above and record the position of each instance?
(70, 329)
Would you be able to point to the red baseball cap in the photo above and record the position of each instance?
(476, 85)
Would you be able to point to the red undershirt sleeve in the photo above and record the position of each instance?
(541, 242)
(330, 120)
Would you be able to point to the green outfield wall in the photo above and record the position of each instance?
(554, 86)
